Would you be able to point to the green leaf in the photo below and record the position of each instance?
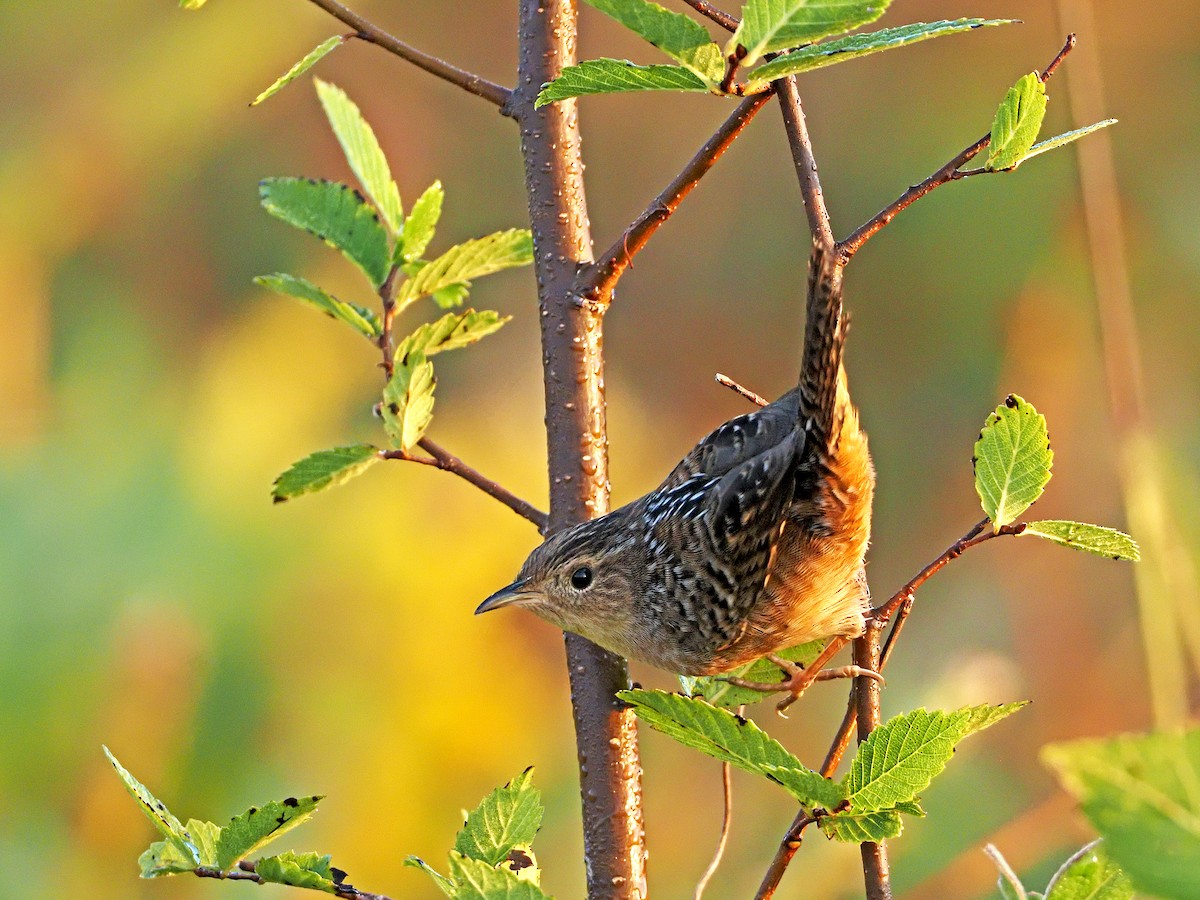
(1017, 123)
(1090, 538)
(163, 858)
(363, 152)
(1140, 792)
(336, 214)
(408, 401)
(682, 38)
(450, 332)
(476, 880)
(469, 260)
(1090, 875)
(313, 57)
(258, 826)
(1012, 460)
(361, 320)
(506, 819)
(421, 223)
(769, 25)
(828, 53)
(732, 739)
(306, 870)
(156, 811)
(614, 76)
(324, 469)
(721, 693)
(447, 886)
(1067, 137)
(855, 828)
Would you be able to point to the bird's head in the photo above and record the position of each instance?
(581, 579)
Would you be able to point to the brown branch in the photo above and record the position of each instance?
(726, 820)
(246, 871)
(722, 18)
(868, 691)
(951, 171)
(597, 281)
(805, 162)
(741, 391)
(787, 849)
(367, 31)
(439, 458)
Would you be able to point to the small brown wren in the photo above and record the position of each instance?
(754, 542)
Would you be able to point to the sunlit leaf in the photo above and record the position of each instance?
(360, 319)
(828, 53)
(324, 469)
(469, 260)
(156, 811)
(720, 692)
(164, 858)
(476, 880)
(613, 76)
(450, 332)
(306, 870)
(769, 25)
(1012, 460)
(1090, 875)
(313, 57)
(732, 739)
(336, 214)
(445, 884)
(680, 37)
(506, 819)
(854, 828)
(1017, 123)
(363, 152)
(422, 221)
(1065, 138)
(259, 825)
(1091, 538)
(408, 401)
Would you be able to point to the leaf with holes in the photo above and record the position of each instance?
(770, 25)
(259, 825)
(1017, 123)
(476, 880)
(732, 739)
(363, 152)
(313, 57)
(408, 401)
(336, 214)
(828, 53)
(615, 76)
(680, 37)
(421, 223)
(1012, 460)
(305, 870)
(507, 819)
(721, 693)
(1089, 538)
(469, 260)
(361, 320)
(324, 469)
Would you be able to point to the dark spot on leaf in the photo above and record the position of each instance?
(637, 686)
(280, 822)
(278, 499)
(339, 875)
(291, 801)
(518, 860)
(252, 810)
(1011, 401)
(161, 808)
(771, 777)
(394, 409)
(741, 720)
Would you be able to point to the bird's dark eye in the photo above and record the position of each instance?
(581, 578)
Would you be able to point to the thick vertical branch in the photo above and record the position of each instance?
(610, 773)
(876, 873)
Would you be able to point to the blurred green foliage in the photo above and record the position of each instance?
(149, 393)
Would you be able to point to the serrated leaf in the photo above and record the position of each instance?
(1140, 792)
(1017, 123)
(306, 870)
(408, 401)
(361, 320)
(324, 469)
(1089, 538)
(258, 826)
(450, 332)
(156, 811)
(1090, 875)
(451, 295)
(828, 53)
(769, 25)
(721, 693)
(1012, 460)
(445, 884)
(1065, 138)
(506, 819)
(855, 828)
(903, 755)
(476, 880)
(421, 223)
(737, 741)
(469, 260)
(363, 152)
(309, 60)
(615, 76)
(682, 38)
(336, 214)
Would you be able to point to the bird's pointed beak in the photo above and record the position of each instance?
(506, 596)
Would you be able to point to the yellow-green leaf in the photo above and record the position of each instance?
(1012, 460)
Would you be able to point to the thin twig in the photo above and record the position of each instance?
(373, 34)
(805, 162)
(440, 458)
(246, 872)
(722, 18)
(740, 390)
(726, 819)
(868, 692)
(787, 849)
(947, 173)
(596, 282)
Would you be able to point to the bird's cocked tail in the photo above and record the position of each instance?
(824, 337)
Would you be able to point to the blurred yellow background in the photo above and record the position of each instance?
(231, 652)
